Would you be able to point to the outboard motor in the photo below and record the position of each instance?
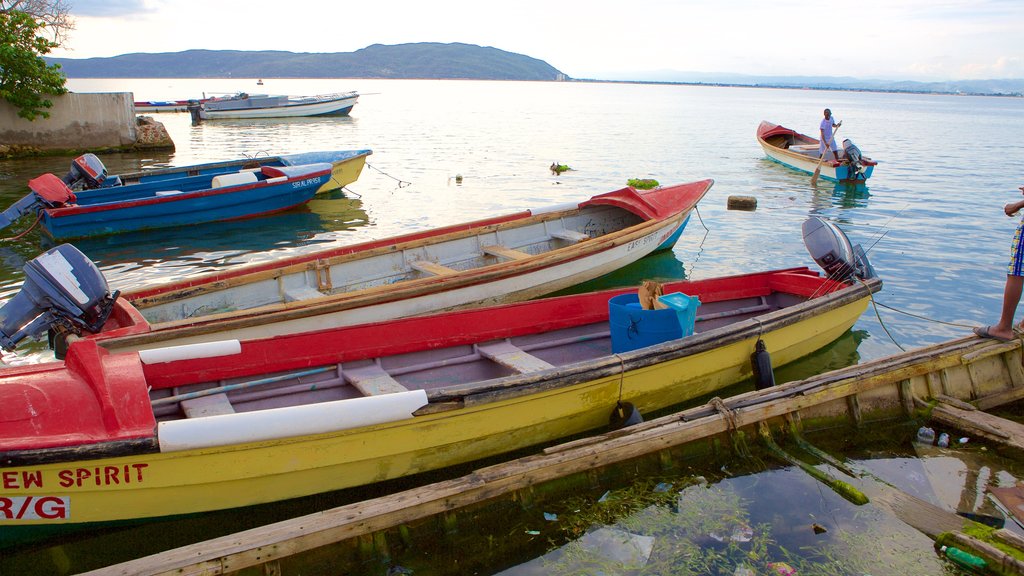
(87, 170)
(63, 290)
(48, 191)
(854, 155)
(195, 109)
(831, 249)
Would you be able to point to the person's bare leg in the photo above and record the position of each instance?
(1011, 298)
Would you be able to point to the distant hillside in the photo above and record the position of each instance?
(420, 60)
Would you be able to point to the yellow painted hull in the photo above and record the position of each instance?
(226, 477)
(344, 173)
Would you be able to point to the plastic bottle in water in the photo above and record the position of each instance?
(925, 435)
(963, 559)
(943, 440)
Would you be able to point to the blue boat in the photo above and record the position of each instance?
(181, 201)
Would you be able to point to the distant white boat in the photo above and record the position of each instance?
(244, 105)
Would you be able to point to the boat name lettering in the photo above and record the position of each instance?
(307, 182)
(35, 507)
(101, 475)
(26, 479)
(640, 242)
(75, 477)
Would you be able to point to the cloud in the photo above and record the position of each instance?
(111, 8)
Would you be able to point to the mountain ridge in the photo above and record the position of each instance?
(431, 60)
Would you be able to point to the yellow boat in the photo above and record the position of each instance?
(143, 434)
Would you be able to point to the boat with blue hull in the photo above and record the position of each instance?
(184, 201)
(800, 152)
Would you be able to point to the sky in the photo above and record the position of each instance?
(925, 40)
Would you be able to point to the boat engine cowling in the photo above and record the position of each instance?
(88, 170)
(854, 155)
(62, 290)
(832, 250)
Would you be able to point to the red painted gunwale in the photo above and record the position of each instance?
(95, 396)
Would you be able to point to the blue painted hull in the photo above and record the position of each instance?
(149, 206)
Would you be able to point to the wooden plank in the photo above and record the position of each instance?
(981, 424)
(569, 235)
(297, 293)
(504, 252)
(513, 357)
(428, 267)
(999, 398)
(213, 405)
(372, 380)
(261, 545)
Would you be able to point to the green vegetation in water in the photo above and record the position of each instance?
(643, 183)
(653, 528)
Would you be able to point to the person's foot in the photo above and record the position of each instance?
(994, 333)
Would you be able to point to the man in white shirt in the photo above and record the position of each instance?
(827, 140)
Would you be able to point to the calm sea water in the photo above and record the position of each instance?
(931, 216)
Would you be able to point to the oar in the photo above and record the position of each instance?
(817, 171)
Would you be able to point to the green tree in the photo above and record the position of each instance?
(25, 79)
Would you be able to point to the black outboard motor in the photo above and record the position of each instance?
(854, 155)
(48, 191)
(195, 109)
(87, 170)
(63, 290)
(831, 249)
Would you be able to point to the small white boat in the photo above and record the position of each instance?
(243, 105)
(800, 152)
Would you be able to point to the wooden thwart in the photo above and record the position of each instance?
(570, 235)
(504, 252)
(434, 268)
(203, 406)
(372, 380)
(513, 357)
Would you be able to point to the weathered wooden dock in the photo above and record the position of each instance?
(977, 373)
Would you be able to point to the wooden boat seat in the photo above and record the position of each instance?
(504, 252)
(570, 235)
(372, 380)
(212, 405)
(301, 293)
(428, 267)
(513, 357)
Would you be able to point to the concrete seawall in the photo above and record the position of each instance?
(77, 122)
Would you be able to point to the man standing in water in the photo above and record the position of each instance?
(1014, 282)
(827, 138)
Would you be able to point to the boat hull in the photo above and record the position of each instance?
(557, 403)
(506, 259)
(347, 165)
(800, 152)
(328, 107)
(151, 210)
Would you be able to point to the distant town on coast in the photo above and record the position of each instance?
(432, 60)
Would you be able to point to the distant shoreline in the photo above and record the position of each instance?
(801, 87)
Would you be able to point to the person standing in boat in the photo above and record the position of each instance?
(827, 140)
(1004, 330)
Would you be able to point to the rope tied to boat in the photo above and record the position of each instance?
(20, 235)
(401, 183)
(729, 415)
(622, 375)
